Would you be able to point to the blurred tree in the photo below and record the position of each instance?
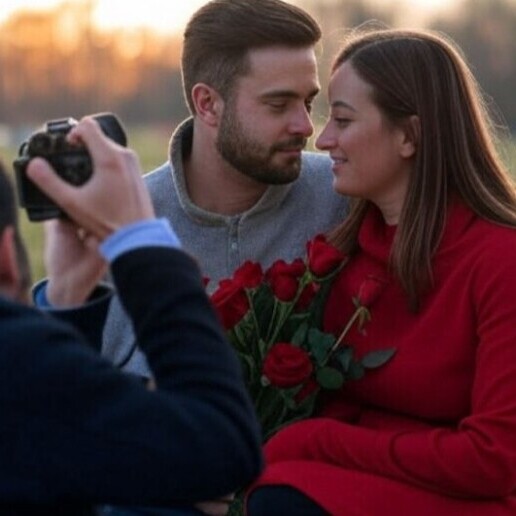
(57, 63)
(337, 17)
(486, 32)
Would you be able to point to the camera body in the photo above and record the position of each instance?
(71, 162)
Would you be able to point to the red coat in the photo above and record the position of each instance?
(433, 431)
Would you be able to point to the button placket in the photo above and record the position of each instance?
(234, 244)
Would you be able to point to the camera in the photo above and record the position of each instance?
(71, 162)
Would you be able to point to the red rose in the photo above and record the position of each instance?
(248, 275)
(286, 365)
(306, 297)
(230, 298)
(284, 278)
(323, 258)
(231, 302)
(370, 290)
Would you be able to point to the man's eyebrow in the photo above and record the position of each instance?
(342, 104)
(290, 94)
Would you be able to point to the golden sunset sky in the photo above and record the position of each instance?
(171, 15)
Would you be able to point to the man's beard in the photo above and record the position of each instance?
(253, 159)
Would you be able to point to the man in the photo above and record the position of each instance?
(75, 431)
(237, 185)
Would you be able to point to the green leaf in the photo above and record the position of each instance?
(302, 411)
(356, 370)
(376, 359)
(320, 344)
(307, 405)
(249, 367)
(344, 356)
(330, 378)
(288, 399)
(243, 335)
(272, 409)
(263, 348)
(295, 329)
(262, 304)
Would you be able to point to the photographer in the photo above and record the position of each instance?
(76, 432)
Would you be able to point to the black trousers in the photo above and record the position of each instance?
(281, 501)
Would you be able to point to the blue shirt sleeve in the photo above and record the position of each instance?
(146, 233)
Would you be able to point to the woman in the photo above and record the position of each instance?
(433, 431)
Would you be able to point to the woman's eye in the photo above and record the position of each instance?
(341, 122)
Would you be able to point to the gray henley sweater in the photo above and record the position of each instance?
(277, 226)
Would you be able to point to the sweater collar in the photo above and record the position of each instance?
(180, 147)
(376, 237)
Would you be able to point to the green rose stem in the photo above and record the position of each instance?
(285, 309)
(362, 312)
(270, 409)
(257, 355)
(272, 321)
(239, 336)
(251, 308)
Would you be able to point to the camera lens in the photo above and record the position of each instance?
(75, 168)
(40, 144)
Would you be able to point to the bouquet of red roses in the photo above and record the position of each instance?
(274, 319)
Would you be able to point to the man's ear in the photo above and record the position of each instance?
(208, 104)
(9, 267)
(411, 129)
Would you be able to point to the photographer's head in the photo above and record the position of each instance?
(15, 278)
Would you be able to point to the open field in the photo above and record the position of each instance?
(151, 145)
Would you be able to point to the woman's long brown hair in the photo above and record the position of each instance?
(419, 72)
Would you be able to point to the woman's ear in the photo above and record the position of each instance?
(9, 267)
(208, 104)
(411, 130)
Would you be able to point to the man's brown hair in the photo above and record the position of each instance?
(220, 35)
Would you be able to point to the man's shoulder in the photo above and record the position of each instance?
(160, 183)
(158, 175)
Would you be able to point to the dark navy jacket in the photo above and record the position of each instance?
(75, 431)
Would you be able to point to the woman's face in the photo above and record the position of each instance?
(371, 157)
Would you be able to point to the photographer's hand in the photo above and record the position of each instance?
(113, 197)
(72, 275)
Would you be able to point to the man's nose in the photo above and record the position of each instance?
(301, 123)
